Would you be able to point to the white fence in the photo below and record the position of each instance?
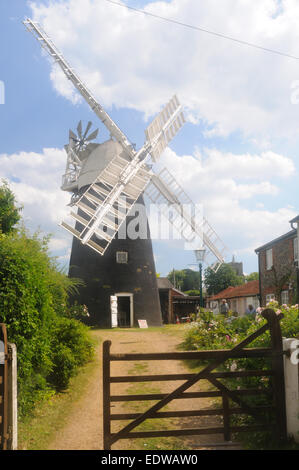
(291, 369)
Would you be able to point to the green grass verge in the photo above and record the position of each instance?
(39, 428)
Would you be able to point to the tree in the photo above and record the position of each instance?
(184, 279)
(9, 212)
(252, 277)
(223, 278)
(176, 277)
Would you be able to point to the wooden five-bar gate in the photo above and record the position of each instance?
(263, 415)
(3, 388)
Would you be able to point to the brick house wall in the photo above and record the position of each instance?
(278, 281)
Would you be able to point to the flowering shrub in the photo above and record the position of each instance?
(211, 331)
(78, 311)
(217, 332)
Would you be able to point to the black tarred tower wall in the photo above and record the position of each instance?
(105, 277)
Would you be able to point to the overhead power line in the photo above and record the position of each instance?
(204, 30)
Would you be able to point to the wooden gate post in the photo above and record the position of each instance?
(226, 417)
(4, 391)
(106, 396)
(278, 368)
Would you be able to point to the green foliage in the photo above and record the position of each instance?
(78, 311)
(252, 277)
(9, 212)
(223, 278)
(211, 331)
(176, 277)
(71, 348)
(185, 279)
(193, 292)
(33, 303)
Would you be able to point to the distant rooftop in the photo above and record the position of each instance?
(248, 289)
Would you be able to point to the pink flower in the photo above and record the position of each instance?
(227, 337)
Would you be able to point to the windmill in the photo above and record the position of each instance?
(107, 181)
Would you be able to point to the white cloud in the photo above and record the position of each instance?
(236, 209)
(132, 60)
(35, 178)
(234, 205)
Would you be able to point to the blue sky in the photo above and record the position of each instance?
(238, 153)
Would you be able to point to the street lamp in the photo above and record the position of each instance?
(200, 254)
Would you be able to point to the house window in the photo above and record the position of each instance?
(285, 297)
(122, 257)
(270, 297)
(269, 259)
(295, 249)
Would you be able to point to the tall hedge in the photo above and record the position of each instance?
(33, 305)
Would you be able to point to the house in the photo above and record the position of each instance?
(175, 303)
(277, 261)
(238, 298)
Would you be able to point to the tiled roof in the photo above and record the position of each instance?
(245, 290)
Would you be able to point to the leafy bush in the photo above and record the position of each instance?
(33, 303)
(192, 292)
(210, 331)
(217, 332)
(71, 348)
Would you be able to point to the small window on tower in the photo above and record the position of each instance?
(122, 257)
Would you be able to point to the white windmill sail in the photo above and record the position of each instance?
(46, 42)
(106, 203)
(188, 220)
(121, 178)
(164, 127)
(103, 207)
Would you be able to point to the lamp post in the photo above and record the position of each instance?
(200, 254)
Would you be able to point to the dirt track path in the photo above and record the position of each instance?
(84, 428)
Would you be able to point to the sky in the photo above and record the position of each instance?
(236, 156)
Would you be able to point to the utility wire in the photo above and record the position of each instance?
(198, 28)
